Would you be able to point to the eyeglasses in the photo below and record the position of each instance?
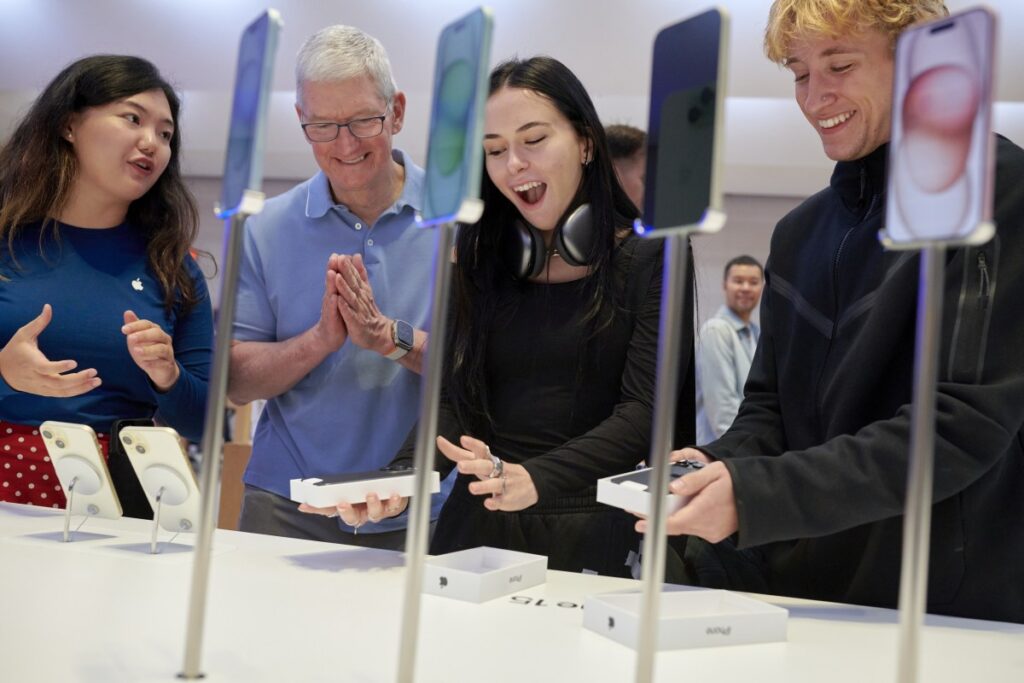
(370, 127)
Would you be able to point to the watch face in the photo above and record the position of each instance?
(403, 335)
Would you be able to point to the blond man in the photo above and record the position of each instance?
(810, 480)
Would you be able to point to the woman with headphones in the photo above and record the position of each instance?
(550, 366)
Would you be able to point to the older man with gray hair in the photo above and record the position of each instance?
(323, 263)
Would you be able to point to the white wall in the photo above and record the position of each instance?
(771, 155)
(769, 150)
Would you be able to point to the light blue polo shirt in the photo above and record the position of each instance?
(354, 410)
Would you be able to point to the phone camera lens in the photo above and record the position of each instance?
(60, 444)
(140, 449)
(47, 434)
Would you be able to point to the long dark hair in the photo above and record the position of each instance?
(38, 167)
(481, 271)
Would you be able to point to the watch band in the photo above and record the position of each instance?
(397, 353)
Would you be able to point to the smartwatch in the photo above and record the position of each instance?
(402, 336)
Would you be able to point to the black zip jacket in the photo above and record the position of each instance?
(819, 450)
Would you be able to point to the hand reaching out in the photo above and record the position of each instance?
(152, 350)
(510, 490)
(26, 369)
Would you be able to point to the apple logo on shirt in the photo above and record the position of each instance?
(137, 284)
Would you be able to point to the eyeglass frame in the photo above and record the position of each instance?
(338, 126)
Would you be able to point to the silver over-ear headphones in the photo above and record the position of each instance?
(527, 255)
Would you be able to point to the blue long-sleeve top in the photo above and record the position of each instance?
(91, 277)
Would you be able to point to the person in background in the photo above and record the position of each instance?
(812, 476)
(104, 314)
(628, 148)
(725, 348)
(334, 341)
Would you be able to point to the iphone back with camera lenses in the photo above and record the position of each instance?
(126, 484)
(163, 468)
(684, 133)
(81, 469)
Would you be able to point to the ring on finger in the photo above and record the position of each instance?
(504, 484)
(498, 467)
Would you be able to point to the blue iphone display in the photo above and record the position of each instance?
(243, 165)
(454, 156)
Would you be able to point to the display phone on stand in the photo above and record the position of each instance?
(454, 147)
(243, 165)
(81, 469)
(163, 468)
(684, 132)
(126, 484)
(942, 148)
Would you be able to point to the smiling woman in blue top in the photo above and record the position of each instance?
(103, 313)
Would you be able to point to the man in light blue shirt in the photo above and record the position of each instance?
(725, 348)
(334, 296)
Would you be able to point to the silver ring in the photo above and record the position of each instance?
(504, 484)
(497, 465)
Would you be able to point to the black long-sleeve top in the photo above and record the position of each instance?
(570, 423)
(819, 451)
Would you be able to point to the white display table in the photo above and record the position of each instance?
(101, 609)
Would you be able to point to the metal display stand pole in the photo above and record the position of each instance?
(917, 520)
(673, 294)
(926, 220)
(430, 398)
(67, 510)
(213, 433)
(154, 533)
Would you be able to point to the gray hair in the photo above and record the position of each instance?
(337, 53)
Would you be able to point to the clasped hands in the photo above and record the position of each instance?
(511, 491)
(710, 512)
(349, 310)
(25, 368)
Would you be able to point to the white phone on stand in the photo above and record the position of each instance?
(82, 471)
(163, 468)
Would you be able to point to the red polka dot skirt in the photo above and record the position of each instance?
(26, 473)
